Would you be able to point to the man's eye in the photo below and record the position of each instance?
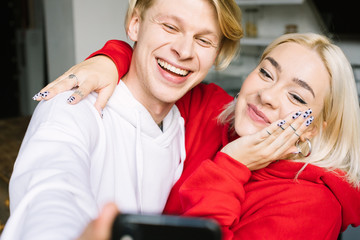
(204, 42)
(169, 27)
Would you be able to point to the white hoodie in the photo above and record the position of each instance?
(72, 162)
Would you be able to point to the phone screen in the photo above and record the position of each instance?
(161, 227)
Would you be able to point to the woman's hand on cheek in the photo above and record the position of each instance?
(100, 228)
(272, 143)
(97, 74)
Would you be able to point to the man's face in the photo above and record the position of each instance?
(176, 45)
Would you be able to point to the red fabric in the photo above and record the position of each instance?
(264, 204)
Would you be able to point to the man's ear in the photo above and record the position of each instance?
(134, 25)
(311, 132)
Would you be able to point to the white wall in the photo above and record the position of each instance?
(95, 22)
(76, 28)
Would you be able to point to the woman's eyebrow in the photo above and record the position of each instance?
(304, 84)
(298, 81)
(274, 63)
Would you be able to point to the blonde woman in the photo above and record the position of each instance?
(314, 193)
(311, 192)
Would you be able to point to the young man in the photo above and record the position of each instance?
(72, 161)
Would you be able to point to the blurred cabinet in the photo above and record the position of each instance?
(271, 18)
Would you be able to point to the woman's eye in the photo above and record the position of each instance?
(264, 73)
(298, 99)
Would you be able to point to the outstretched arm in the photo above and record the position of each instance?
(100, 72)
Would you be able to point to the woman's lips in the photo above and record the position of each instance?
(256, 115)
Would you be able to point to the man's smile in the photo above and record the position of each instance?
(167, 66)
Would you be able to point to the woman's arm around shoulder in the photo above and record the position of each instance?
(100, 73)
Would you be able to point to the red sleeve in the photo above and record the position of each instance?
(120, 52)
(216, 190)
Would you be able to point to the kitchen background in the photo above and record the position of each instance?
(43, 38)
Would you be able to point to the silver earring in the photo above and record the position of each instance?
(299, 149)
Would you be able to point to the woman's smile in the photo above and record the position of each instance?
(256, 115)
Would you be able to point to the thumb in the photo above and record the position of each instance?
(104, 222)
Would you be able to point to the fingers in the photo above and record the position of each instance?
(103, 98)
(82, 91)
(280, 137)
(61, 84)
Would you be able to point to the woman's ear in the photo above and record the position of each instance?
(311, 132)
(134, 25)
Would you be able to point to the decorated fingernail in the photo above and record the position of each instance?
(71, 99)
(307, 113)
(281, 123)
(296, 115)
(309, 121)
(36, 96)
(44, 94)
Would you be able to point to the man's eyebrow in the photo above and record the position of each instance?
(304, 84)
(206, 31)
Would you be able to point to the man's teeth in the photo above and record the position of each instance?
(173, 69)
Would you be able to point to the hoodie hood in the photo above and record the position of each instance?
(347, 195)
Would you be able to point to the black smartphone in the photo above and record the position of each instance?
(161, 227)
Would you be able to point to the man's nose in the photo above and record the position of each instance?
(183, 47)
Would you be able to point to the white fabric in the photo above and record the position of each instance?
(72, 162)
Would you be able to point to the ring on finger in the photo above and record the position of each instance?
(296, 134)
(292, 128)
(71, 76)
(268, 132)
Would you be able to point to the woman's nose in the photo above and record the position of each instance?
(270, 96)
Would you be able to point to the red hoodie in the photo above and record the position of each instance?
(265, 204)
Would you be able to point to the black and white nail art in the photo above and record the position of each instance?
(296, 115)
(281, 123)
(44, 94)
(307, 113)
(309, 121)
(36, 96)
(71, 99)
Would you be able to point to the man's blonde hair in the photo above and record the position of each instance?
(229, 18)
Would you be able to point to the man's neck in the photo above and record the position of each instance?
(157, 109)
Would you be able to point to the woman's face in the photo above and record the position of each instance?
(290, 78)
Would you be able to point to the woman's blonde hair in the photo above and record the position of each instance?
(229, 17)
(337, 146)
